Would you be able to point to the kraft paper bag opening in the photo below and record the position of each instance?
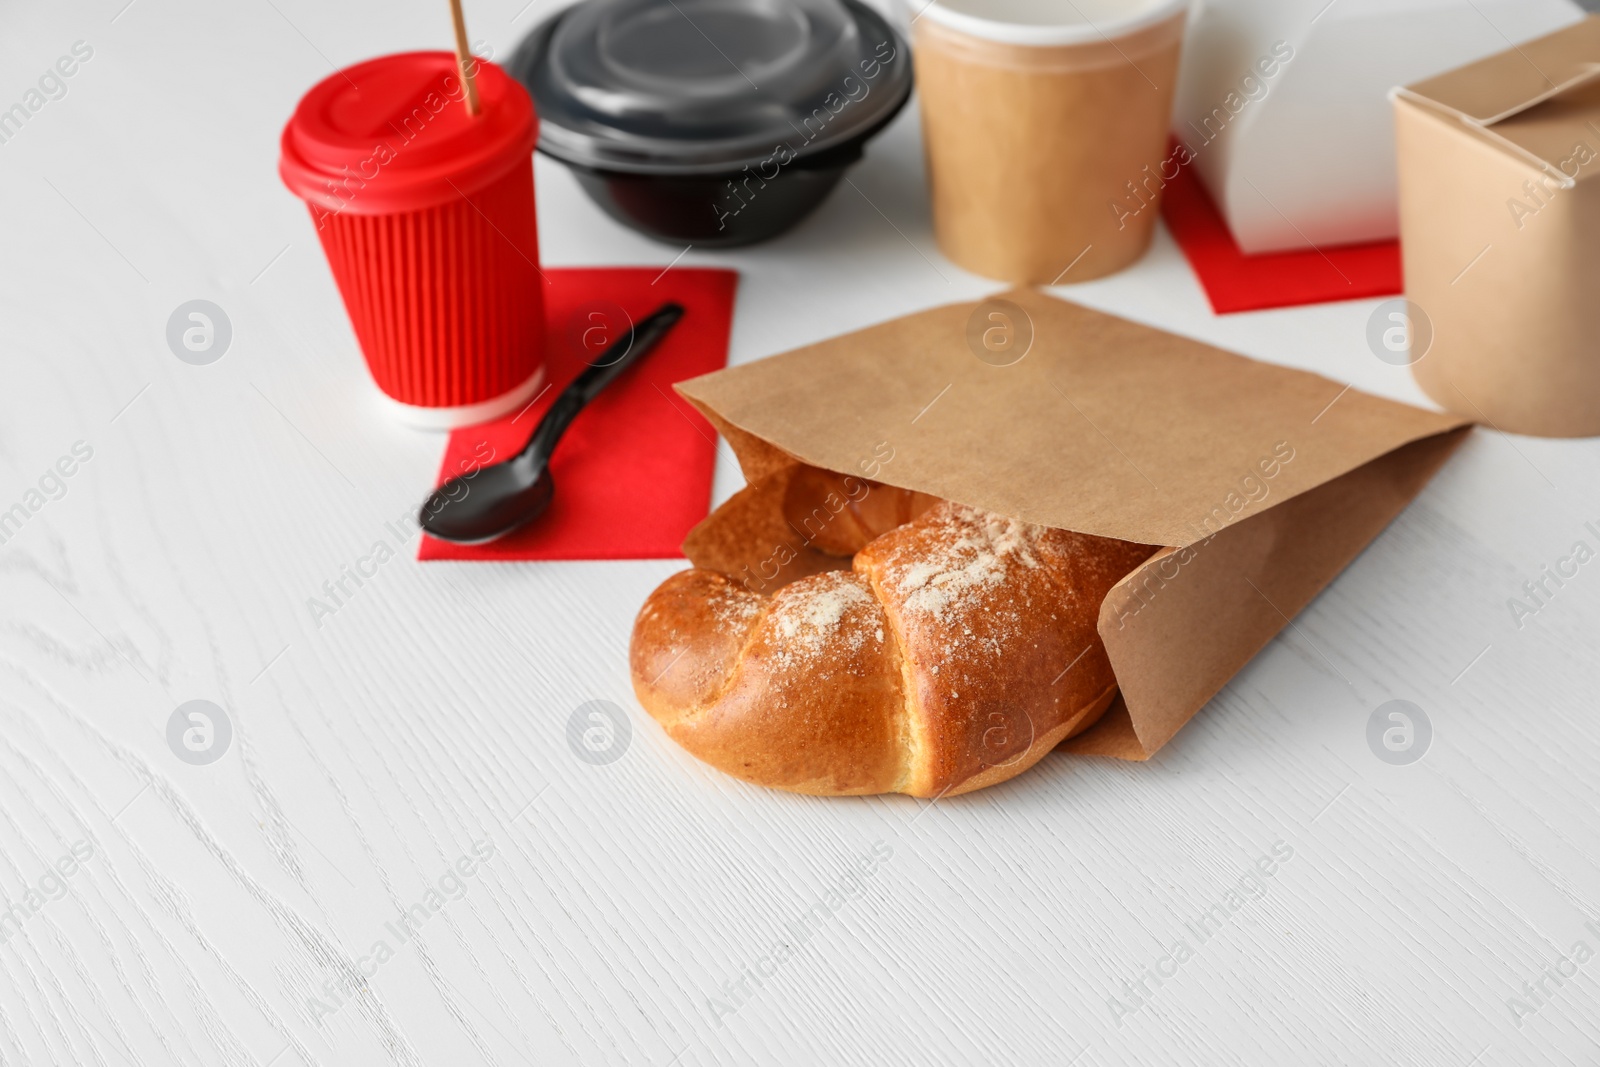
(1257, 483)
(1500, 234)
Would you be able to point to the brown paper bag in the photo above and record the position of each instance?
(1259, 482)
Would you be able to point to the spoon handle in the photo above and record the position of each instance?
(623, 353)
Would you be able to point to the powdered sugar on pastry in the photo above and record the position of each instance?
(733, 607)
(971, 557)
(809, 613)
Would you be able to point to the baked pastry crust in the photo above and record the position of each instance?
(958, 649)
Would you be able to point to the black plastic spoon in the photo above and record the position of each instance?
(495, 500)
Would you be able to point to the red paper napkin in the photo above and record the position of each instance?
(1234, 281)
(633, 473)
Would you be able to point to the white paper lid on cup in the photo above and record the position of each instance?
(1048, 23)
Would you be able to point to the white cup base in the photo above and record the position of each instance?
(426, 418)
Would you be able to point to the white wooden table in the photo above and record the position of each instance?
(633, 912)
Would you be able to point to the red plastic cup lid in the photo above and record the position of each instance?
(393, 134)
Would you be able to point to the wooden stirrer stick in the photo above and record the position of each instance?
(464, 58)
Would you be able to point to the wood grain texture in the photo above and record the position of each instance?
(635, 912)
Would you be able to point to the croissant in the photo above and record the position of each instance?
(955, 650)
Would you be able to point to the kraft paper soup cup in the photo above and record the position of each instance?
(1039, 119)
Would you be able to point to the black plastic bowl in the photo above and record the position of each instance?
(683, 172)
(719, 210)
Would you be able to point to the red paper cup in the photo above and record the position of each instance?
(425, 213)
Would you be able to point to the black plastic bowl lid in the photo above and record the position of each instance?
(702, 86)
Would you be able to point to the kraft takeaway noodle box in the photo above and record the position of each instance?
(1500, 234)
